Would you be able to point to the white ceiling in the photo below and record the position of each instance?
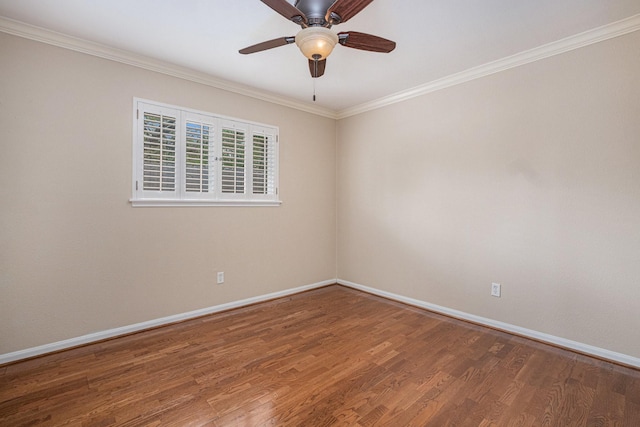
(435, 38)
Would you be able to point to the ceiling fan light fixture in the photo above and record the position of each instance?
(316, 43)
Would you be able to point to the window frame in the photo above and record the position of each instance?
(267, 173)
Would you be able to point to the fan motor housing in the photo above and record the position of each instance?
(315, 11)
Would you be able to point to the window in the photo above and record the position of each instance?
(186, 157)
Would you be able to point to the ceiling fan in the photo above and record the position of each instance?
(316, 40)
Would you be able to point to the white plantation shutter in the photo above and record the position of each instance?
(158, 154)
(199, 157)
(233, 159)
(159, 172)
(264, 161)
(186, 157)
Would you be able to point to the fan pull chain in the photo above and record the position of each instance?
(314, 75)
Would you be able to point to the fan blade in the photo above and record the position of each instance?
(363, 41)
(345, 9)
(317, 67)
(268, 45)
(287, 10)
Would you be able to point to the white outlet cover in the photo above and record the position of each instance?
(495, 289)
(220, 277)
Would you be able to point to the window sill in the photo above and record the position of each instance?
(196, 202)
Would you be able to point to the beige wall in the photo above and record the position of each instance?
(529, 177)
(76, 258)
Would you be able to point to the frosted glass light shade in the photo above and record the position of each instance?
(316, 41)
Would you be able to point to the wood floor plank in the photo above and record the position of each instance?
(328, 357)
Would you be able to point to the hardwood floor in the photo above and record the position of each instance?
(332, 356)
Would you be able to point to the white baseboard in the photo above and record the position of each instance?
(539, 336)
(112, 333)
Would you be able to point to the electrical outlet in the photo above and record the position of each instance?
(220, 277)
(495, 290)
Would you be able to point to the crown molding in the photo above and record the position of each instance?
(54, 38)
(577, 41)
(596, 35)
